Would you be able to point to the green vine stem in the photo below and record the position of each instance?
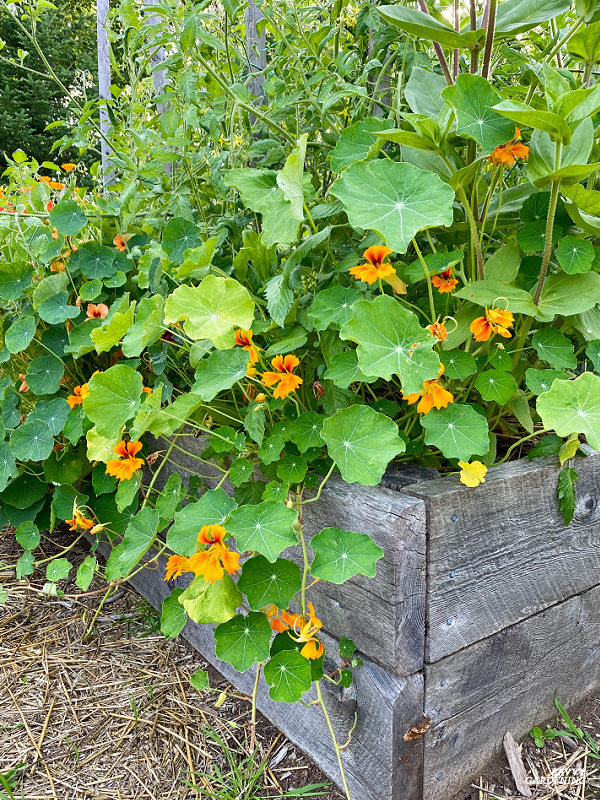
(338, 751)
(549, 226)
(428, 279)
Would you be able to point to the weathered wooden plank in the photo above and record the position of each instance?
(500, 553)
(384, 615)
(256, 50)
(507, 682)
(102, 11)
(379, 764)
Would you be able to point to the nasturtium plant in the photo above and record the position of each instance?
(382, 248)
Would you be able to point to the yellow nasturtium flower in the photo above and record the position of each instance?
(473, 473)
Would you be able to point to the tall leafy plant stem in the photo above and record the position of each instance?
(333, 738)
(474, 233)
(550, 51)
(438, 49)
(549, 226)
(489, 38)
(456, 28)
(428, 279)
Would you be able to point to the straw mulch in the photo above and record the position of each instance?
(114, 716)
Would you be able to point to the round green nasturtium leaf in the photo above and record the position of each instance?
(90, 291)
(553, 347)
(243, 641)
(496, 385)
(95, 261)
(391, 342)
(340, 555)
(62, 501)
(32, 441)
(472, 98)
(458, 431)
(68, 218)
(85, 573)
(66, 466)
(102, 482)
(211, 310)
(15, 277)
(292, 469)
(207, 602)
(240, 471)
(575, 255)
(118, 279)
(48, 287)
(58, 569)
(54, 412)
(174, 616)
(306, 430)
(573, 407)
(270, 450)
(115, 397)
(8, 467)
(289, 675)
(531, 237)
(212, 509)
(18, 337)
(333, 307)
(179, 235)
(137, 540)
(127, 491)
(25, 491)
(395, 199)
(57, 310)
(275, 492)
(358, 143)
(28, 535)
(344, 370)
(44, 374)
(539, 381)
(500, 359)
(362, 442)
(265, 583)
(266, 528)
(220, 371)
(24, 565)
(592, 351)
(106, 511)
(458, 365)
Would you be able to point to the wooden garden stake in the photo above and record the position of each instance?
(102, 9)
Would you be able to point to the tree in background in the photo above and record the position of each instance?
(28, 101)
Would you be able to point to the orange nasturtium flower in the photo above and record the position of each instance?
(120, 242)
(176, 566)
(375, 268)
(495, 321)
(432, 394)
(57, 185)
(212, 562)
(98, 311)
(244, 340)
(284, 374)
(438, 329)
(68, 167)
(79, 519)
(127, 465)
(444, 282)
(507, 153)
(79, 395)
(301, 630)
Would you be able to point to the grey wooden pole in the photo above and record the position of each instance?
(159, 76)
(256, 50)
(103, 87)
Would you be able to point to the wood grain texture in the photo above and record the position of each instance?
(501, 552)
(507, 682)
(384, 615)
(379, 764)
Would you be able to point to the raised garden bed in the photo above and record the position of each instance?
(483, 605)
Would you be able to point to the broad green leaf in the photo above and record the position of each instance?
(207, 602)
(137, 540)
(472, 98)
(539, 381)
(173, 616)
(25, 491)
(24, 565)
(244, 641)
(106, 511)
(391, 342)
(8, 468)
(340, 555)
(80, 341)
(519, 16)
(63, 499)
(28, 535)
(585, 44)
(220, 371)
(592, 351)
(292, 469)
(178, 236)
(254, 422)
(14, 279)
(57, 310)
(458, 365)
(267, 528)
(289, 675)
(553, 347)
(32, 441)
(423, 92)
(280, 297)
(306, 430)
(113, 329)
(270, 450)
(85, 573)
(435, 263)
(407, 138)
(114, 398)
(170, 418)
(197, 263)
(344, 370)
(532, 236)
(200, 680)
(260, 192)
(458, 431)
(66, 466)
(496, 385)
(127, 491)
(48, 288)
(573, 407)
(58, 569)
(586, 200)
(96, 261)
(290, 178)
(100, 448)
(547, 446)
(265, 583)
(211, 310)
(568, 294)
(18, 337)
(541, 166)
(424, 26)
(44, 374)
(240, 471)
(68, 218)
(168, 500)
(362, 442)
(395, 199)
(147, 328)
(575, 254)
(213, 508)
(358, 143)
(504, 264)
(333, 307)
(567, 498)
(521, 113)
(486, 293)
